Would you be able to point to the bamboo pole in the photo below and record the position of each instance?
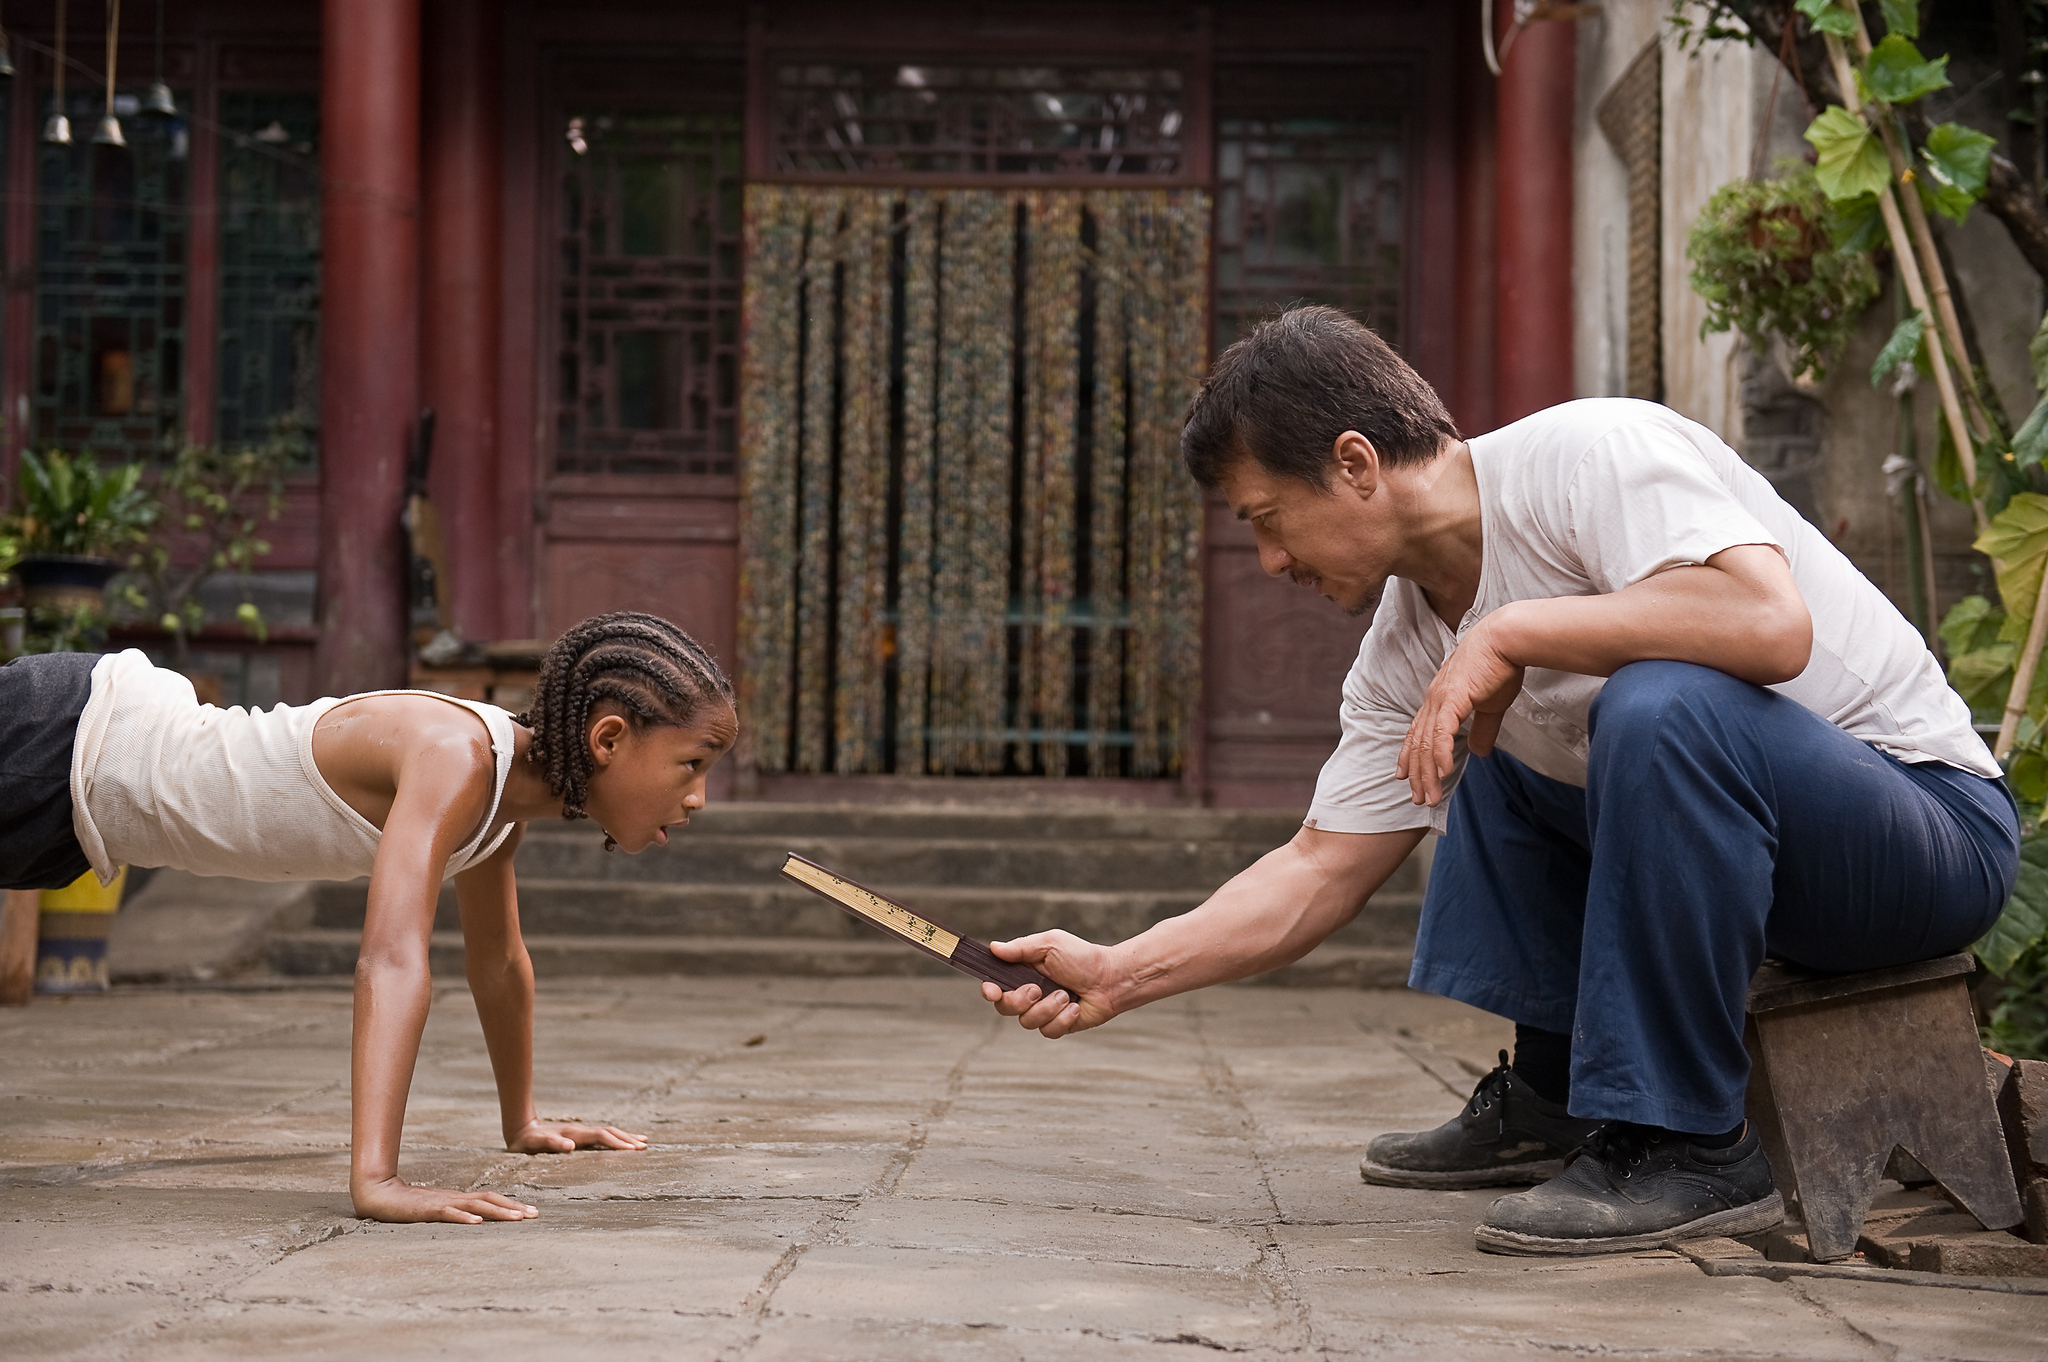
(1922, 233)
(2023, 672)
(1916, 292)
(1949, 338)
(1926, 534)
(1913, 503)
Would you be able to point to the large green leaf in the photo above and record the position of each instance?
(1984, 678)
(1995, 481)
(2025, 919)
(2030, 444)
(1958, 161)
(2027, 773)
(1901, 17)
(1949, 476)
(2018, 538)
(1903, 346)
(1852, 160)
(1897, 73)
(1828, 16)
(1971, 623)
(2037, 351)
(1856, 225)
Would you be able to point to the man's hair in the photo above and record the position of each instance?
(653, 671)
(1286, 390)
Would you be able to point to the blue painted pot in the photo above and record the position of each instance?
(65, 581)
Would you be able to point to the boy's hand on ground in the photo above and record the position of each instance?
(559, 1137)
(396, 1202)
(1065, 959)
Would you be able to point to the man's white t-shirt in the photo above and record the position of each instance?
(1591, 497)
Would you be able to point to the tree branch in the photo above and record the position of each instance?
(2008, 196)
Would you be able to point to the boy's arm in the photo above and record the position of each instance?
(501, 981)
(438, 803)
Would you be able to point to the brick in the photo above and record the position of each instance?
(1892, 1243)
(2034, 1199)
(2023, 1111)
(1786, 1245)
(1991, 1254)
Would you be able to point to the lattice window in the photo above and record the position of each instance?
(269, 348)
(1312, 209)
(898, 122)
(110, 285)
(649, 254)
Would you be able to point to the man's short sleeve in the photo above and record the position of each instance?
(1359, 789)
(1644, 498)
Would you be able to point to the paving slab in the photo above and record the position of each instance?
(840, 1169)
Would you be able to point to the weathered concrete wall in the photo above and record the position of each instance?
(1607, 45)
(1729, 112)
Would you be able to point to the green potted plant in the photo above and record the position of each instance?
(211, 506)
(70, 519)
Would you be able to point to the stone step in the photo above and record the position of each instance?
(698, 856)
(583, 908)
(1054, 822)
(334, 952)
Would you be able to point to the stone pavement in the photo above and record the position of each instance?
(874, 1168)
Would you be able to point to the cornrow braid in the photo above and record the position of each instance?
(654, 671)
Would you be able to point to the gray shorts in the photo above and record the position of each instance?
(41, 699)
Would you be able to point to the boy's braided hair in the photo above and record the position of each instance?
(652, 670)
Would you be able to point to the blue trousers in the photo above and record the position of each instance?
(1720, 823)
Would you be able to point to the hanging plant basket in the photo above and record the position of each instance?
(1766, 258)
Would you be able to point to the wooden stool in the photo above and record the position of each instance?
(1847, 1067)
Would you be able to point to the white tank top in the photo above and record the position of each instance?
(158, 779)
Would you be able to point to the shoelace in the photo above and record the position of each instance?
(1619, 1145)
(1491, 1092)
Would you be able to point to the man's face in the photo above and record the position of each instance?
(1335, 541)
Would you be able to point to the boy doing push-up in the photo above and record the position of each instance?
(107, 760)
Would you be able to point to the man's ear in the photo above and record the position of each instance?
(605, 737)
(1357, 463)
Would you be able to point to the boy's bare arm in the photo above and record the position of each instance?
(438, 804)
(501, 981)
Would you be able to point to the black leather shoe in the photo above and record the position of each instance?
(1505, 1137)
(1635, 1187)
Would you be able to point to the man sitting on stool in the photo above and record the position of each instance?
(1693, 734)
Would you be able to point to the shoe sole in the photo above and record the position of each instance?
(1752, 1218)
(1506, 1175)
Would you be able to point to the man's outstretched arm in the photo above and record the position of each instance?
(1271, 914)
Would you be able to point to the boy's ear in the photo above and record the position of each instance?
(605, 737)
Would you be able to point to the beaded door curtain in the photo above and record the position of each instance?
(967, 546)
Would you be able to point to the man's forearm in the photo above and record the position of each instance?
(1271, 914)
(1740, 614)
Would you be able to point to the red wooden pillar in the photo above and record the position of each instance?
(369, 333)
(1533, 232)
(459, 326)
(17, 362)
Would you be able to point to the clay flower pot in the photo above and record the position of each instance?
(65, 581)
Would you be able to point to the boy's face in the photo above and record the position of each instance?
(1334, 540)
(648, 779)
